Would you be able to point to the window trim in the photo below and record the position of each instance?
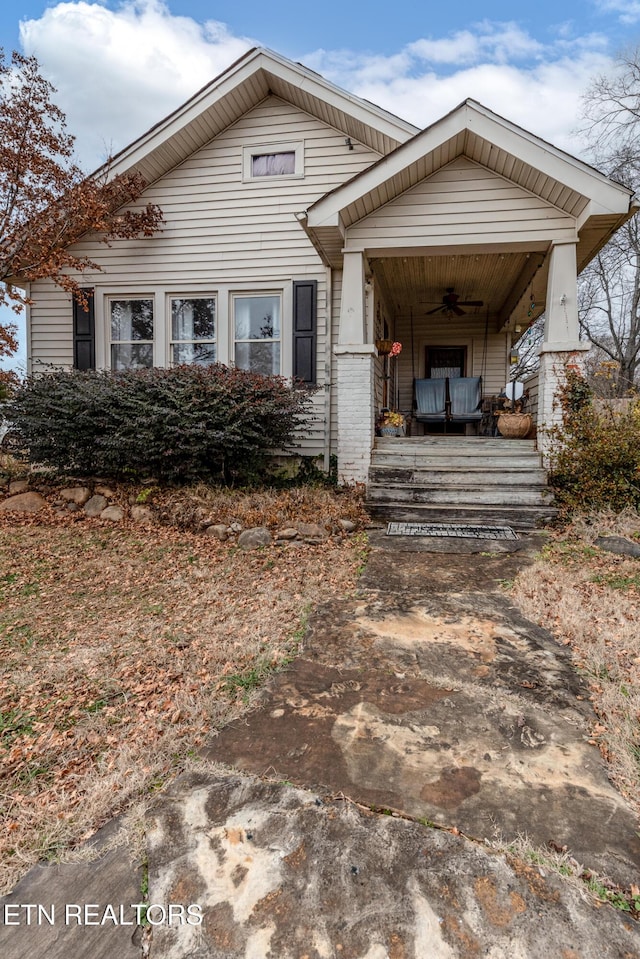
(256, 293)
(260, 149)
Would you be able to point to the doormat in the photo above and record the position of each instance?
(448, 530)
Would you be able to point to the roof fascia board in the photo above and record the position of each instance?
(253, 62)
(578, 176)
(315, 85)
(605, 195)
(386, 168)
(203, 100)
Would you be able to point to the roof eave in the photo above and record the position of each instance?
(253, 62)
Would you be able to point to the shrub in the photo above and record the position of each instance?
(182, 424)
(596, 457)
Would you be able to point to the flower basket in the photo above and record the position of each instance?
(390, 431)
(514, 425)
(384, 347)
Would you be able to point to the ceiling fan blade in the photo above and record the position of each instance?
(456, 309)
(437, 310)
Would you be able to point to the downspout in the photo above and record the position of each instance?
(328, 368)
(27, 320)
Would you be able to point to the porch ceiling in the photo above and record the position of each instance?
(504, 282)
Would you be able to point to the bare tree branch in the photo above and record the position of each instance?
(609, 295)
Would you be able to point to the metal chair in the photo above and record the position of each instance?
(465, 395)
(431, 401)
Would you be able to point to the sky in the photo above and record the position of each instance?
(119, 67)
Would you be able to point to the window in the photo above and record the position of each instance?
(273, 164)
(257, 326)
(193, 331)
(273, 160)
(131, 333)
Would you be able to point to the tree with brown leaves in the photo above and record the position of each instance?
(46, 202)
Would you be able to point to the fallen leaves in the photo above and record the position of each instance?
(116, 649)
(589, 599)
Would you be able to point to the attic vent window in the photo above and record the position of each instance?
(273, 160)
(273, 164)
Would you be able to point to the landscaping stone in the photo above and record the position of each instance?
(312, 532)
(255, 538)
(24, 503)
(618, 545)
(105, 491)
(96, 505)
(235, 528)
(18, 486)
(218, 531)
(76, 494)
(347, 525)
(141, 514)
(288, 533)
(114, 514)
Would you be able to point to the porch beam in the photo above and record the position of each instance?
(519, 289)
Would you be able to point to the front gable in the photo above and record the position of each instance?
(462, 203)
(475, 134)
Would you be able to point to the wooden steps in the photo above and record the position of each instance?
(441, 479)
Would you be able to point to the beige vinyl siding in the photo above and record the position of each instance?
(219, 231)
(460, 204)
(50, 322)
(336, 299)
(458, 331)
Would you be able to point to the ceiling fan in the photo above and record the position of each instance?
(451, 303)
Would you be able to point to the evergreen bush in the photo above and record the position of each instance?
(596, 454)
(182, 424)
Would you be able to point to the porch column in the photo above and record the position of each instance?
(562, 343)
(355, 379)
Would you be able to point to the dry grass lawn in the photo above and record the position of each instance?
(122, 647)
(590, 600)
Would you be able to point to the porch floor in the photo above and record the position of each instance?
(459, 479)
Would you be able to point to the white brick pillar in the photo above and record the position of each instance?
(355, 371)
(562, 345)
(355, 375)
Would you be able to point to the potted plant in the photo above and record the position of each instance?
(513, 421)
(391, 423)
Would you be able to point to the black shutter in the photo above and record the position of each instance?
(84, 334)
(305, 297)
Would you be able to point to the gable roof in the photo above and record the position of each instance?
(599, 204)
(255, 76)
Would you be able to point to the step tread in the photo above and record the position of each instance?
(521, 517)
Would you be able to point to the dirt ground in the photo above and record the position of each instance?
(123, 646)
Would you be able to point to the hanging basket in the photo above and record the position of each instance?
(514, 426)
(384, 347)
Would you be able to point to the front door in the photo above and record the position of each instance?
(443, 361)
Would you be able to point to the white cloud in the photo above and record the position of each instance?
(117, 72)
(120, 71)
(538, 87)
(502, 43)
(628, 10)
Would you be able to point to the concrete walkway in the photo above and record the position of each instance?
(364, 810)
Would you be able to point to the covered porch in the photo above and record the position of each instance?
(453, 245)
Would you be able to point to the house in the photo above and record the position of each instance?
(303, 225)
